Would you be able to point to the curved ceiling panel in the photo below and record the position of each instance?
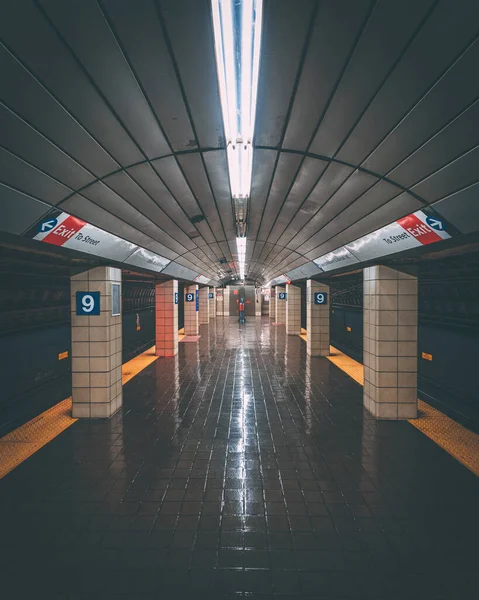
(367, 111)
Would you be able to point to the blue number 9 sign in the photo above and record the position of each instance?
(190, 297)
(88, 303)
(320, 298)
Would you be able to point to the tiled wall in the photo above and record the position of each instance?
(293, 310)
(212, 302)
(96, 348)
(272, 303)
(166, 313)
(390, 343)
(191, 314)
(317, 320)
(219, 303)
(258, 303)
(280, 305)
(226, 301)
(204, 312)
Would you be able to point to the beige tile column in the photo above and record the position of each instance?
(191, 314)
(166, 314)
(258, 302)
(96, 343)
(226, 301)
(204, 310)
(390, 343)
(293, 310)
(272, 303)
(212, 302)
(317, 319)
(280, 305)
(219, 301)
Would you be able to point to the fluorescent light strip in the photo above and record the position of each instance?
(238, 107)
(241, 247)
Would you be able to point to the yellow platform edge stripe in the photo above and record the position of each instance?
(23, 442)
(458, 441)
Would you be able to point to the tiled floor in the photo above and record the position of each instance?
(241, 468)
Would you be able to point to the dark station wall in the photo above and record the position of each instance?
(35, 348)
(448, 332)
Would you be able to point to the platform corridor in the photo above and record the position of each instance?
(240, 468)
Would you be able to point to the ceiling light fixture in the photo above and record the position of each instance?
(241, 247)
(237, 32)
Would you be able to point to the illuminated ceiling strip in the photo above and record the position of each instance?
(237, 26)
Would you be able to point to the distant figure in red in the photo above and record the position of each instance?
(241, 311)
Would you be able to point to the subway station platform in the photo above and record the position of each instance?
(240, 468)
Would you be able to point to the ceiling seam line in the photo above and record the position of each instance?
(395, 63)
(373, 4)
(438, 79)
(89, 77)
(304, 51)
(169, 46)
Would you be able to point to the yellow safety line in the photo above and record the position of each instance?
(458, 441)
(20, 444)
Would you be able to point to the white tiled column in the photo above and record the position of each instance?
(219, 302)
(191, 314)
(390, 343)
(317, 320)
(226, 301)
(258, 302)
(212, 302)
(204, 312)
(272, 303)
(96, 347)
(166, 314)
(280, 306)
(293, 310)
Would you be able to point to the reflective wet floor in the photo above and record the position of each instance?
(240, 468)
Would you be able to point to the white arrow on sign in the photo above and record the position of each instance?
(435, 223)
(47, 225)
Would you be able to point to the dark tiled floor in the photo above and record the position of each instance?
(240, 469)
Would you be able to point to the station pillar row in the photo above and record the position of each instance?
(390, 343)
(258, 302)
(280, 304)
(272, 303)
(191, 313)
(317, 319)
(96, 324)
(166, 315)
(204, 306)
(212, 302)
(293, 309)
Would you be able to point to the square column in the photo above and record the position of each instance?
(280, 317)
(390, 343)
(96, 343)
(272, 303)
(293, 310)
(219, 301)
(166, 315)
(317, 319)
(212, 302)
(191, 311)
(258, 302)
(204, 310)
(226, 301)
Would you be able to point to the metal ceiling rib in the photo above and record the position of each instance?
(366, 112)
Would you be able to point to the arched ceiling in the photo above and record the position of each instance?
(367, 111)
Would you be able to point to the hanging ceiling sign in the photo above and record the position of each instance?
(412, 231)
(147, 260)
(62, 229)
(201, 279)
(409, 232)
(70, 232)
(335, 260)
